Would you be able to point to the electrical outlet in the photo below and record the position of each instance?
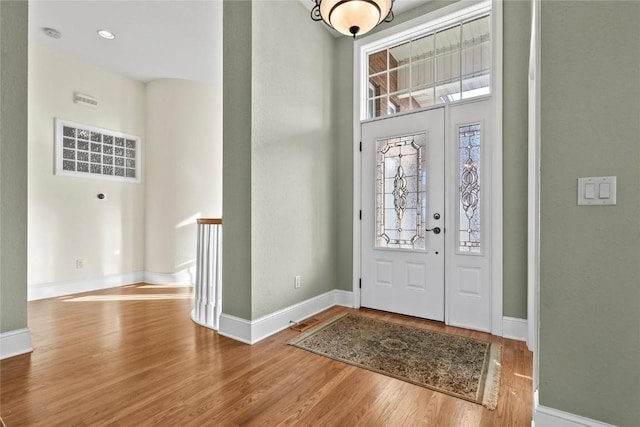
(297, 282)
(79, 264)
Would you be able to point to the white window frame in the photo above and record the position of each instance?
(59, 153)
(441, 18)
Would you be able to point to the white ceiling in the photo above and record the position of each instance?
(154, 38)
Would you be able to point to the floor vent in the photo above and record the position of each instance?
(304, 325)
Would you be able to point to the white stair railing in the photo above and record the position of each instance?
(208, 289)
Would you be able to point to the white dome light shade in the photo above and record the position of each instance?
(106, 34)
(353, 17)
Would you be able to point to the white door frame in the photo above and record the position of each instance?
(403, 30)
(533, 191)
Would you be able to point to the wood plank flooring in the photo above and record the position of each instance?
(131, 356)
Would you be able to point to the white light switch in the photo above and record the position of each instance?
(597, 191)
(590, 191)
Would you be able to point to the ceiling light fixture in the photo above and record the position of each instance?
(353, 17)
(106, 34)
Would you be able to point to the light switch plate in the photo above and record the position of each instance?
(597, 191)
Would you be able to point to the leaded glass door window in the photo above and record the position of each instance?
(401, 192)
(469, 162)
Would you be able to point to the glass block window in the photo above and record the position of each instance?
(441, 65)
(401, 197)
(88, 151)
(469, 152)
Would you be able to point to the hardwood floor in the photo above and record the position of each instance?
(131, 356)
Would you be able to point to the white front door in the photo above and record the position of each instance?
(403, 214)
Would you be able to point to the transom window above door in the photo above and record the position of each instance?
(439, 66)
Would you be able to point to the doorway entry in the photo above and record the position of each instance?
(449, 60)
(403, 189)
(428, 225)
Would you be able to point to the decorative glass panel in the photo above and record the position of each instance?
(94, 149)
(401, 192)
(469, 143)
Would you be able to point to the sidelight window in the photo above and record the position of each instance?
(469, 161)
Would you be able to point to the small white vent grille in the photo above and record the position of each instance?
(83, 99)
(93, 152)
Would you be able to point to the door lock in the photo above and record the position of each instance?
(436, 215)
(436, 230)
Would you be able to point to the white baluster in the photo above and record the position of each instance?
(208, 292)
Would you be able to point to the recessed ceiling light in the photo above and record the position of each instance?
(106, 34)
(51, 32)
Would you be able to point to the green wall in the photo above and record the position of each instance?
(515, 72)
(13, 165)
(589, 349)
(280, 173)
(343, 119)
(293, 169)
(236, 158)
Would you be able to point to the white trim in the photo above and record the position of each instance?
(184, 276)
(68, 287)
(533, 191)
(544, 416)
(343, 298)
(195, 320)
(14, 343)
(235, 328)
(496, 164)
(514, 328)
(357, 174)
(252, 331)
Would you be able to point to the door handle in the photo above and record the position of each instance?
(436, 230)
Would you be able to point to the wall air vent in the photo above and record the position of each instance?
(80, 98)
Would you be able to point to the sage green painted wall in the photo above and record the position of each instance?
(589, 349)
(293, 156)
(343, 123)
(13, 165)
(515, 76)
(279, 151)
(236, 159)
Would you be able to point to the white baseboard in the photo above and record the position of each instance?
(344, 298)
(514, 328)
(250, 332)
(57, 289)
(14, 343)
(184, 276)
(235, 328)
(544, 416)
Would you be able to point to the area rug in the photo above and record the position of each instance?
(458, 366)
